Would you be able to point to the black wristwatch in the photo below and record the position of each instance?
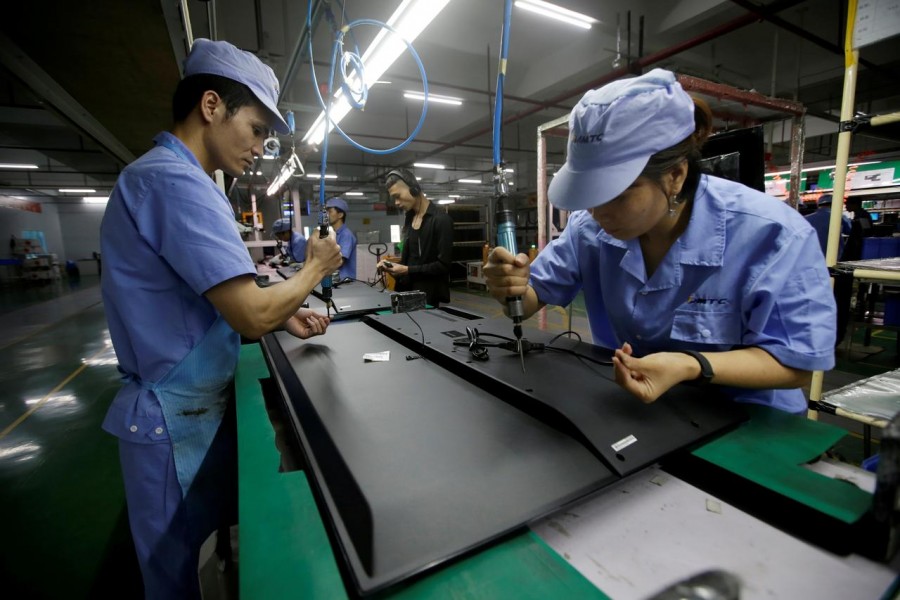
(706, 370)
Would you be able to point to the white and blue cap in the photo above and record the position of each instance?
(339, 204)
(281, 225)
(224, 59)
(613, 132)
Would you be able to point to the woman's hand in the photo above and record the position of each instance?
(650, 377)
(506, 275)
(306, 324)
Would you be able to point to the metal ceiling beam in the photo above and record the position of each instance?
(33, 76)
(640, 63)
(767, 13)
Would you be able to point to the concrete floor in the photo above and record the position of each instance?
(66, 531)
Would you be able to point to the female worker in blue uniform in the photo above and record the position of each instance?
(178, 289)
(673, 261)
(296, 243)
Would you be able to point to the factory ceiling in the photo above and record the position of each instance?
(84, 86)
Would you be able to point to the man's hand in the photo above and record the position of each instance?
(323, 254)
(394, 269)
(306, 324)
(506, 275)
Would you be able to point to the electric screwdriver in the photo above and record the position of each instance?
(326, 281)
(506, 237)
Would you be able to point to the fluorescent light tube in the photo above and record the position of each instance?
(319, 176)
(291, 166)
(446, 201)
(469, 180)
(409, 20)
(454, 196)
(354, 194)
(433, 98)
(557, 12)
(429, 165)
(814, 169)
(77, 191)
(95, 199)
(16, 166)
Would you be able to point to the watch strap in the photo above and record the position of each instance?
(706, 370)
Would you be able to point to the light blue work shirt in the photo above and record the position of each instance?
(346, 239)
(167, 237)
(747, 271)
(297, 247)
(821, 222)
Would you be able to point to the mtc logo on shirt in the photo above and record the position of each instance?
(698, 300)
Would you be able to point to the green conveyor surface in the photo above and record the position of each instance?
(771, 448)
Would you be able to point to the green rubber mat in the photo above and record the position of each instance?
(771, 449)
(285, 552)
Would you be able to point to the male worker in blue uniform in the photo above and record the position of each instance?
(689, 276)
(296, 243)
(178, 291)
(821, 221)
(337, 215)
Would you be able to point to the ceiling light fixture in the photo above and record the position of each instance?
(469, 180)
(77, 191)
(95, 199)
(446, 201)
(291, 166)
(433, 98)
(408, 21)
(814, 169)
(319, 176)
(354, 194)
(557, 12)
(429, 166)
(17, 166)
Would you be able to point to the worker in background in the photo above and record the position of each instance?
(337, 215)
(861, 227)
(821, 221)
(673, 261)
(179, 292)
(427, 238)
(296, 243)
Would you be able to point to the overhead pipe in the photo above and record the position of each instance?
(642, 62)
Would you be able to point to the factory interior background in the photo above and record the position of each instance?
(84, 87)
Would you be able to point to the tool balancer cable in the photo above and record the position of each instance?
(353, 72)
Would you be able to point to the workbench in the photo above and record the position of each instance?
(629, 540)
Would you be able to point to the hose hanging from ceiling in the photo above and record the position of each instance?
(353, 85)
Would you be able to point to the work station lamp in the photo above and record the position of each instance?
(290, 167)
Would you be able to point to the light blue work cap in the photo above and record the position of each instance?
(339, 204)
(224, 59)
(613, 132)
(281, 225)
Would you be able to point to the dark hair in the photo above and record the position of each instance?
(407, 177)
(688, 149)
(190, 89)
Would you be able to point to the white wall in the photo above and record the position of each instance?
(80, 225)
(14, 221)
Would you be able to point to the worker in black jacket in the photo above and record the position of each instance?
(427, 238)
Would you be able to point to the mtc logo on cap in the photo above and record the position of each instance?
(224, 59)
(614, 132)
